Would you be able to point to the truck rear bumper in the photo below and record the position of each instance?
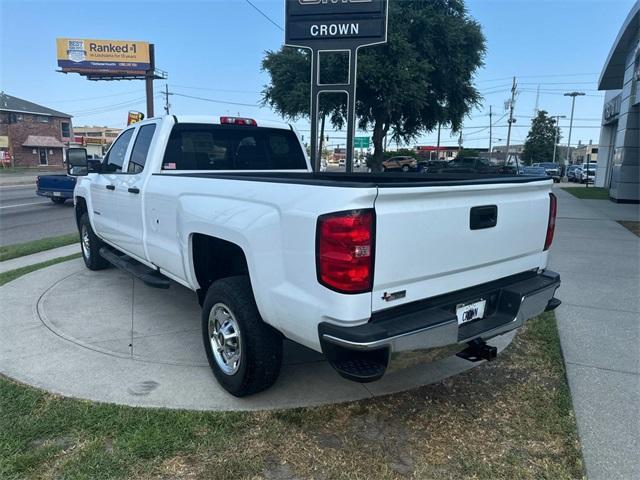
(427, 330)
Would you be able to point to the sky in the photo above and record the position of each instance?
(212, 50)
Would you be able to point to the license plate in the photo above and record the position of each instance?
(57, 194)
(468, 312)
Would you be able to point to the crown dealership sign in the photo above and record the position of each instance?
(335, 26)
(341, 24)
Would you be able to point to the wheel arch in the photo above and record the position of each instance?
(214, 258)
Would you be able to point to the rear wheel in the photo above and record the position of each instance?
(58, 200)
(405, 168)
(91, 245)
(244, 353)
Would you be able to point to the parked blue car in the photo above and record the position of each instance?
(58, 188)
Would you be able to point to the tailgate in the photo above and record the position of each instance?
(425, 245)
(56, 182)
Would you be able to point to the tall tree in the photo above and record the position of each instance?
(421, 77)
(541, 138)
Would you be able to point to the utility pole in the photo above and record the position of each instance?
(438, 147)
(511, 119)
(166, 94)
(555, 143)
(490, 129)
(573, 96)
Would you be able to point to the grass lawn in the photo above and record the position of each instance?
(20, 249)
(589, 193)
(511, 418)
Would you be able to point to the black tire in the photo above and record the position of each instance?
(58, 200)
(260, 345)
(90, 245)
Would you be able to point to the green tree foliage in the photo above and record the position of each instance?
(468, 153)
(422, 77)
(540, 140)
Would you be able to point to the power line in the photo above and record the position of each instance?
(123, 94)
(188, 87)
(113, 106)
(217, 101)
(265, 15)
(540, 76)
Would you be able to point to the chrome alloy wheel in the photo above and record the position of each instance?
(85, 242)
(224, 334)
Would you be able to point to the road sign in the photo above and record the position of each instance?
(361, 142)
(343, 24)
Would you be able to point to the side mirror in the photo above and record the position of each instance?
(77, 163)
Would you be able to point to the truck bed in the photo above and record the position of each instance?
(367, 180)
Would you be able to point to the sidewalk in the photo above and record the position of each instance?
(599, 326)
(39, 257)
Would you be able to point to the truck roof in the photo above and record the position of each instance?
(215, 120)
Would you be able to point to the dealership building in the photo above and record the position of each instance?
(619, 148)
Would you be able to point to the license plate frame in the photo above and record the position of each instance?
(470, 311)
(57, 194)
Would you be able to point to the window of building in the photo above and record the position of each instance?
(66, 129)
(42, 119)
(594, 150)
(141, 149)
(115, 157)
(94, 134)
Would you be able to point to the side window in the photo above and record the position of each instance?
(141, 149)
(115, 158)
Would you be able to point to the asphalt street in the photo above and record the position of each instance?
(24, 216)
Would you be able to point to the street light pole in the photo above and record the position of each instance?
(573, 96)
(555, 144)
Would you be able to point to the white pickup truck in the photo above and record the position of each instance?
(361, 267)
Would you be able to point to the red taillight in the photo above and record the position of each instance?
(238, 121)
(344, 250)
(551, 226)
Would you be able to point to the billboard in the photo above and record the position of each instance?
(83, 55)
(335, 24)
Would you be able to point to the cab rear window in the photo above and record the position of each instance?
(231, 147)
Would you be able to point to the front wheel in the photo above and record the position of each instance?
(91, 245)
(244, 352)
(405, 168)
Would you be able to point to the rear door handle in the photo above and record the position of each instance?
(111, 187)
(485, 216)
(133, 190)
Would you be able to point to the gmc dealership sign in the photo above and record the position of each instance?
(335, 24)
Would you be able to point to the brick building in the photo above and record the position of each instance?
(32, 135)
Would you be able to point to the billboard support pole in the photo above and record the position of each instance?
(148, 80)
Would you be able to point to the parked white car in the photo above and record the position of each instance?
(230, 208)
